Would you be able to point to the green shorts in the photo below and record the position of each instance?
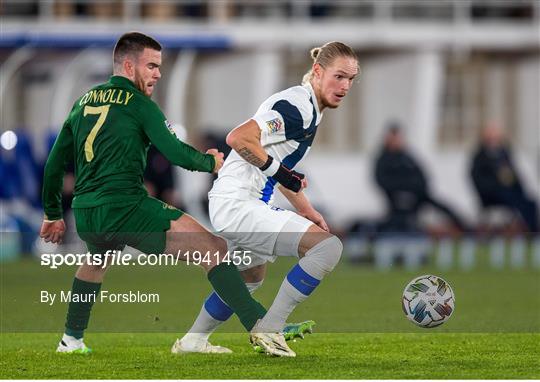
(141, 225)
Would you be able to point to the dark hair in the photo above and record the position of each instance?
(133, 43)
(394, 127)
(326, 54)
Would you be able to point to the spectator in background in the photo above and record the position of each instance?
(496, 179)
(404, 183)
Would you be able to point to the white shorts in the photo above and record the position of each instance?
(252, 225)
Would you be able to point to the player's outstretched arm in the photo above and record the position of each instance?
(180, 153)
(218, 158)
(246, 141)
(177, 152)
(304, 207)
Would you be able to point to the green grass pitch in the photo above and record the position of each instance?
(361, 332)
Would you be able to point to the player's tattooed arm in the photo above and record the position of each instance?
(246, 141)
(250, 157)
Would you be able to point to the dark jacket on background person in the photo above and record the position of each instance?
(406, 188)
(498, 184)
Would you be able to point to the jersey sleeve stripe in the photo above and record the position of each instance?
(294, 123)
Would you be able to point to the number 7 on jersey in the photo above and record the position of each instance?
(102, 111)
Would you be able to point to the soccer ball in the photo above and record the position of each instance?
(428, 301)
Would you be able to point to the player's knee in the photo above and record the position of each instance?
(334, 249)
(327, 253)
(219, 245)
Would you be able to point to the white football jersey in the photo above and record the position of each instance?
(288, 121)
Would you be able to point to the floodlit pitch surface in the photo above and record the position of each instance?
(361, 331)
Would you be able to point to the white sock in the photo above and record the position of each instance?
(301, 281)
(284, 303)
(205, 324)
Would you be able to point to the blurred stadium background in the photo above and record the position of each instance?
(442, 70)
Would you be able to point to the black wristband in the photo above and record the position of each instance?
(267, 163)
(289, 178)
(270, 167)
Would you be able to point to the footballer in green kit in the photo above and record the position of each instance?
(107, 134)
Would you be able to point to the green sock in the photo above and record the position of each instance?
(83, 296)
(232, 290)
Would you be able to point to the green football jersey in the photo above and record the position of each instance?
(107, 134)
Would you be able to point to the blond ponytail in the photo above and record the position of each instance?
(326, 54)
